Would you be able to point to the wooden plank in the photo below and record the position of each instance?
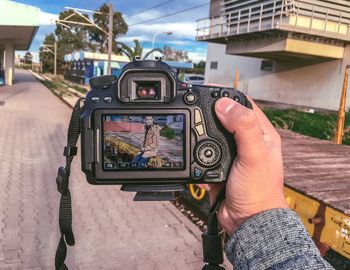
(317, 168)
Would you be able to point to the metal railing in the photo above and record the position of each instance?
(308, 17)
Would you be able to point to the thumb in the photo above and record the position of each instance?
(243, 123)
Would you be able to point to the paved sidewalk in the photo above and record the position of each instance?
(112, 231)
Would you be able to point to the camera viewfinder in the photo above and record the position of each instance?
(148, 90)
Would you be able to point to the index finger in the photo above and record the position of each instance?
(269, 132)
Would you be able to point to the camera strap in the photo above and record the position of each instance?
(62, 181)
(212, 243)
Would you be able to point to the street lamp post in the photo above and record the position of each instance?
(54, 52)
(154, 38)
(110, 38)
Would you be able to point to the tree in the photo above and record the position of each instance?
(100, 39)
(198, 68)
(175, 55)
(47, 57)
(75, 37)
(135, 51)
(28, 57)
(80, 37)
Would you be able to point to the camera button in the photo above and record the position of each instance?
(190, 98)
(95, 99)
(236, 98)
(225, 94)
(212, 175)
(197, 173)
(200, 129)
(214, 94)
(107, 99)
(197, 116)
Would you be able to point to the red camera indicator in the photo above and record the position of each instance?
(147, 90)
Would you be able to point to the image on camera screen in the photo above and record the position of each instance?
(143, 142)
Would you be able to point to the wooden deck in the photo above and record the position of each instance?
(317, 168)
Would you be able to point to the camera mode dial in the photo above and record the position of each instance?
(208, 153)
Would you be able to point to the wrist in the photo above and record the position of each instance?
(231, 220)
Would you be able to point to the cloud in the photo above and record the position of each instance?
(197, 56)
(130, 39)
(142, 17)
(179, 29)
(48, 18)
(180, 42)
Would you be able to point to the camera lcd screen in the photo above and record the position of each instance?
(143, 142)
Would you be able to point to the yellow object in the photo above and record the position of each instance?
(318, 24)
(325, 224)
(196, 192)
(313, 48)
(338, 137)
(235, 83)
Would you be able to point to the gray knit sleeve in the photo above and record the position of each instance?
(274, 239)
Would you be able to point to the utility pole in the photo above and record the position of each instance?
(110, 38)
(54, 52)
(338, 137)
(55, 58)
(88, 22)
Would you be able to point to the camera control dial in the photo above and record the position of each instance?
(208, 153)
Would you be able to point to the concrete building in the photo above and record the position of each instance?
(290, 51)
(18, 26)
(82, 66)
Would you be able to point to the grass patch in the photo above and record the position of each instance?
(79, 89)
(53, 85)
(167, 132)
(317, 125)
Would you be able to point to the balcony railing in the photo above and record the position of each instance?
(303, 16)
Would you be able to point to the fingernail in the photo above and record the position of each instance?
(224, 105)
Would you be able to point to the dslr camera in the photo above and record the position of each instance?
(147, 127)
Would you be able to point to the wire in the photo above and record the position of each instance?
(147, 9)
(170, 14)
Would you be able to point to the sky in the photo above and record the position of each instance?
(183, 25)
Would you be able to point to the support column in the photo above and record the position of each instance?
(9, 63)
(2, 52)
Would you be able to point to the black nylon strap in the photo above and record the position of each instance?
(212, 244)
(62, 181)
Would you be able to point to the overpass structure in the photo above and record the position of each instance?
(280, 29)
(298, 49)
(292, 51)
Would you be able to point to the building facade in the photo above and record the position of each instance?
(82, 66)
(287, 51)
(18, 26)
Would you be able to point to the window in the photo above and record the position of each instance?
(267, 65)
(195, 78)
(214, 65)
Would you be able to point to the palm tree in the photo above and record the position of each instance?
(136, 51)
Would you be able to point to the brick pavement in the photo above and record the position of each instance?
(112, 231)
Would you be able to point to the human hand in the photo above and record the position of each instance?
(255, 182)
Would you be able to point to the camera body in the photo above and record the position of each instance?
(147, 127)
